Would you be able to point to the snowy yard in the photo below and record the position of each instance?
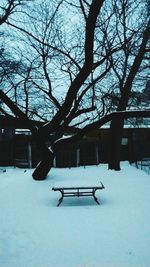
(79, 233)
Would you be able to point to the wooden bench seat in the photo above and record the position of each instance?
(83, 191)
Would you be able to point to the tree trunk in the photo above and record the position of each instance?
(43, 167)
(116, 128)
(47, 156)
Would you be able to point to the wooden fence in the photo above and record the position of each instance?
(20, 150)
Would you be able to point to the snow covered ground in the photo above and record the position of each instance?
(79, 233)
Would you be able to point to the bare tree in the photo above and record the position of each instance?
(69, 109)
(10, 64)
(82, 61)
(128, 26)
(127, 75)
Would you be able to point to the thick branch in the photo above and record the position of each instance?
(99, 123)
(83, 73)
(90, 29)
(134, 69)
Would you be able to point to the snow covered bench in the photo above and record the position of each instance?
(78, 191)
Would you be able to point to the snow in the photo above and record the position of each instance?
(78, 233)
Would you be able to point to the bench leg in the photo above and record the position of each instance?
(95, 198)
(61, 199)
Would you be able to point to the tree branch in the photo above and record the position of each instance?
(99, 123)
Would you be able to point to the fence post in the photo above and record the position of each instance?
(97, 155)
(29, 155)
(78, 157)
(54, 162)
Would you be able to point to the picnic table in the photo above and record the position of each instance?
(78, 191)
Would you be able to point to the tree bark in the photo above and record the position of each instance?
(43, 168)
(47, 156)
